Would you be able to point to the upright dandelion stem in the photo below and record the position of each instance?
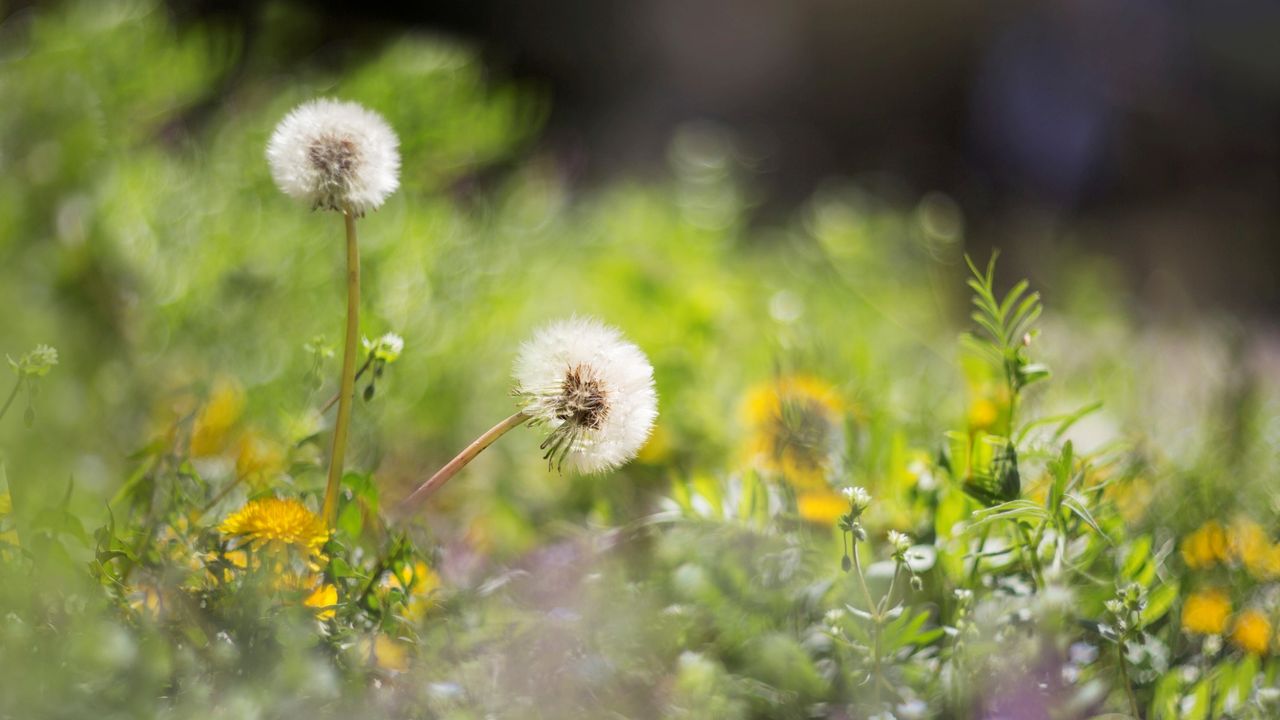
(346, 392)
(477, 446)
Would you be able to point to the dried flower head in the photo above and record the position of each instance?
(592, 388)
(277, 523)
(336, 156)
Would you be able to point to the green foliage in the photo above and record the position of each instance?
(1057, 537)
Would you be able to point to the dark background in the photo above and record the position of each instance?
(1147, 130)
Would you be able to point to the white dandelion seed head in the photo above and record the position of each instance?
(591, 388)
(335, 156)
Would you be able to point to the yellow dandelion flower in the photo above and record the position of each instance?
(385, 653)
(323, 599)
(1252, 632)
(796, 429)
(259, 459)
(983, 414)
(146, 599)
(279, 523)
(1248, 544)
(1131, 498)
(209, 433)
(1206, 612)
(1205, 547)
(658, 447)
(822, 507)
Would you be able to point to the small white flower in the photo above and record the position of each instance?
(858, 497)
(592, 388)
(386, 348)
(901, 543)
(336, 156)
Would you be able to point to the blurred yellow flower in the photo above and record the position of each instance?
(1206, 612)
(10, 536)
(1205, 547)
(385, 653)
(658, 448)
(209, 432)
(1249, 544)
(823, 507)
(983, 414)
(1252, 632)
(796, 432)
(418, 582)
(1130, 498)
(323, 599)
(279, 523)
(259, 459)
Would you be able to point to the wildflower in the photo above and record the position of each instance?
(323, 599)
(8, 536)
(821, 506)
(901, 543)
(592, 388)
(796, 429)
(36, 363)
(1205, 547)
(1251, 632)
(859, 499)
(209, 433)
(274, 522)
(385, 349)
(1248, 544)
(335, 156)
(1206, 612)
(259, 459)
(385, 653)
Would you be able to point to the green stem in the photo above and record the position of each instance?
(16, 386)
(334, 400)
(876, 618)
(977, 556)
(1128, 684)
(477, 446)
(1032, 550)
(347, 386)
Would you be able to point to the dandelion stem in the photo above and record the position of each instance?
(347, 387)
(16, 386)
(425, 490)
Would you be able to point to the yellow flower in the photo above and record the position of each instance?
(10, 536)
(983, 414)
(323, 599)
(210, 429)
(259, 459)
(278, 523)
(1205, 547)
(385, 653)
(417, 582)
(1252, 632)
(1130, 498)
(1206, 612)
(1249, 545)
(822, 506)
(796, 429)
(658, 447)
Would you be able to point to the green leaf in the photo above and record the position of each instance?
(1158, 603)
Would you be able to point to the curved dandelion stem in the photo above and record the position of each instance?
(425, 490)
(347, 386)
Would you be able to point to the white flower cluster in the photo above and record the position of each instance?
(592, 388)
(335, 156)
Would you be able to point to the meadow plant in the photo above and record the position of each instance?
(342, 157)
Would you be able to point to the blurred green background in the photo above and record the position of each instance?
(179, 286)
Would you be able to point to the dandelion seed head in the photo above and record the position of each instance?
(336, 156)
(591, 388)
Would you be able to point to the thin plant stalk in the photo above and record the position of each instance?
(435, 482)
(346, 390)
(1128, 684)
(334, 400)
(16, 386)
